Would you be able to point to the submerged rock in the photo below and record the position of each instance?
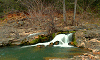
(40, 46)
(50, 45)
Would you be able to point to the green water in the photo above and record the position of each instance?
(34, 53)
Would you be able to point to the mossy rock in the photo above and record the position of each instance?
(72, 31)
(25, 43)
(74, 40)
(8, 44)
(65, 32)
(53, 35)
(34, 41)
(46, 38)
(43, 38)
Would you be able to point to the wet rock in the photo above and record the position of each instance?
(4, 43)
(0, 43)
(71, 43)
(40, 46)
(56, 43)
(50, 45)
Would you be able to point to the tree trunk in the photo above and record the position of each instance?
(64, 12)
(73, 22)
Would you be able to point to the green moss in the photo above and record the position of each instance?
(9, 44)
(44, 38)
(72, 31)
(74, 40)
(41, 39)
(34, 41)
(24, 42)
(53, 35)
(62, 32)
(3, 18)
(65, 32)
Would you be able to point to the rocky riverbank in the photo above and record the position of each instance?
(86, 36)
(15, 31)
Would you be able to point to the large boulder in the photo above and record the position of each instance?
(88, 39)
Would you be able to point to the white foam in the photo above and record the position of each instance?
(28, 46)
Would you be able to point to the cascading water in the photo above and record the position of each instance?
(63, 39)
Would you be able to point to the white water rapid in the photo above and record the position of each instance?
(63, 39)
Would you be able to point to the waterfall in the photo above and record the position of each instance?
(63, 39)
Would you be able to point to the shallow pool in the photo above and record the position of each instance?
(35, 53)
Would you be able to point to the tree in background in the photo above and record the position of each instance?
(10, 5)
(38, 7)
(89, 5)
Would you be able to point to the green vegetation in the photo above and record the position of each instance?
(25, 43)
(92, 6)
(74, 40)
(2, 18)
(65, 32)
(34, 41)
(62, 32)
(72, 31)
(40, 39)
(53, 35)
(10, 5)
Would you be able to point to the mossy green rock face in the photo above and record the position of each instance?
(74, 40)
(46, 38)
(43, 38)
